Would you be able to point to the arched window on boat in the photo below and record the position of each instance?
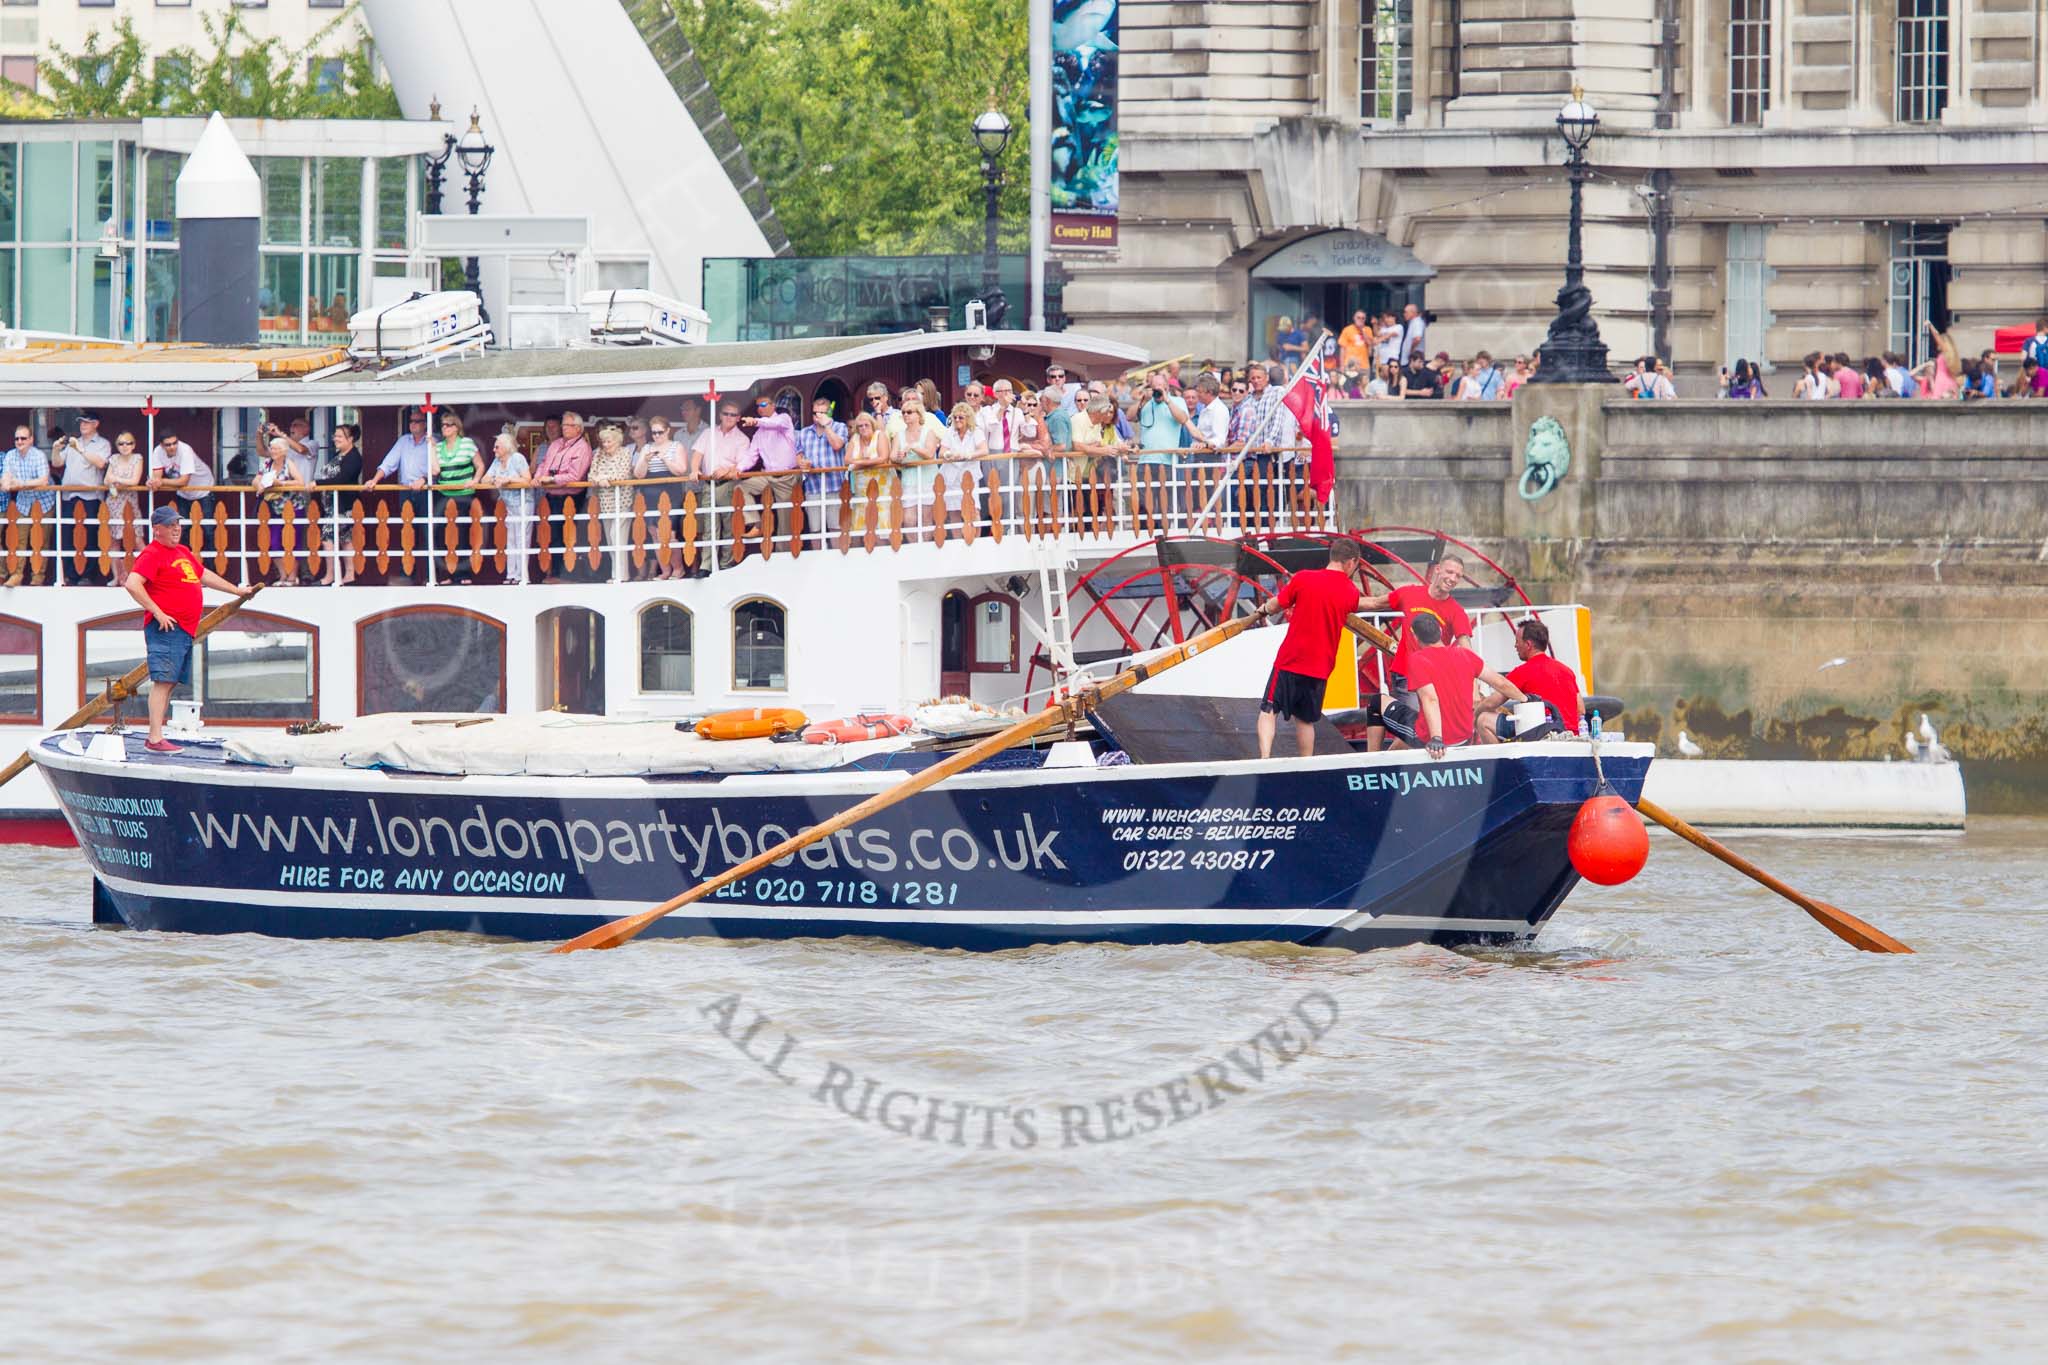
(430, 659)
(759, 646)
(252, 669)
(668, 660)
(21, 672)
(992, 621)
(570, 669)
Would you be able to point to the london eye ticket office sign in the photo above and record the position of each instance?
(1084, 190)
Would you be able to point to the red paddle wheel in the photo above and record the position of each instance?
(1162, 592)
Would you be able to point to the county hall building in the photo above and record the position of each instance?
(1771, 177)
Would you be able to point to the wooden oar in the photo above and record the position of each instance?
(125, 686)
(1840, 923)
(622, 930)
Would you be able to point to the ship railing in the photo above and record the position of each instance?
(637, 528)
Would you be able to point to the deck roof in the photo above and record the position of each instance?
(207, 376)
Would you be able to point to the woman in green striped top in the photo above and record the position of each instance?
(452, 470)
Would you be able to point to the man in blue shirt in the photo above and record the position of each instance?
(821, 446)
(1489, 376)
(25, 474)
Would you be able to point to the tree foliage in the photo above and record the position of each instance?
(243, 76)
(856, 114)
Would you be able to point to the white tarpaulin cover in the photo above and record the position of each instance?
(549, 744)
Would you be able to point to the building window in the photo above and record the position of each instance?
(19, 71)
(1918, 287)
(623, 274)
(251, 670)
(759, 656)
(1386, 59)
(1748, 321)
(1921, 91)
(992, 617)
(1749, 60)
(325, 73)
(667, 663)
(21, 671)
(430, 659)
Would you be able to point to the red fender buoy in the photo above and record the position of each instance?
(1608, 843)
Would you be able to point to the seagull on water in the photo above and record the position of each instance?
(1687, 747)
(1831, 663)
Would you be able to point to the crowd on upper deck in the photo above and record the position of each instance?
(1072, 429)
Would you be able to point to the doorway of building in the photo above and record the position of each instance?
(954, 679)
(571, 663)
(1330, 276)
(1919, 287)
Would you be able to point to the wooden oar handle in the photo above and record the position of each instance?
(619, 931)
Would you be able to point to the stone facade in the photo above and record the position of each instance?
(1822, 173)
(1732, 552)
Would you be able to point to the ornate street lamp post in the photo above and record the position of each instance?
(991, 134)
(437, 167)
(475, 155)
(1573, 352)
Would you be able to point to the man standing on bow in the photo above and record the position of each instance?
(167, 582)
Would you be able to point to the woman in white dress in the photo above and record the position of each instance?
(961, 448)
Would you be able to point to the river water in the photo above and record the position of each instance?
(1691, 1124)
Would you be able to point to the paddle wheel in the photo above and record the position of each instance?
(1162, 592)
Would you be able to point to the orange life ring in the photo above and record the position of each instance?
(755, 723)
(869, 725)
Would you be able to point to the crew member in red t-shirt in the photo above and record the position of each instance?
(1543, 678)
(1433, 598)
(1442, 676)
(1319, 600)
(166, 581)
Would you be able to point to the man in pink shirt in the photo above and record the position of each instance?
(567, 458)
(721, 449)
(771, 460)
(1848, 376)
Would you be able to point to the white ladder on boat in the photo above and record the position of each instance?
(1057, 634)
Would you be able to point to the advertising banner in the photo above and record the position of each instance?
(1084, 190)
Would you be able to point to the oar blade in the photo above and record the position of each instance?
(1849, 929)
(608, 935)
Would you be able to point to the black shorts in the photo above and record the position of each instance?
(1295, 695)
(1404, 721)
(1376, 706)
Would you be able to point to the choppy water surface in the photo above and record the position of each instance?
(1693, 1125)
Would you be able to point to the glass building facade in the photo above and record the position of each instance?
(89, 231)
(769, 298)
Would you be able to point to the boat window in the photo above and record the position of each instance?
(21, 671)
(259, 668)
(430, 659)
(112, 646)
(252, 669)
(994, 621)
(667, 663)
(758, 653)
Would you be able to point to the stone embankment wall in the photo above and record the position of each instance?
(1776, 578)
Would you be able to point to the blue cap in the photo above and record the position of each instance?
(164, 515)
